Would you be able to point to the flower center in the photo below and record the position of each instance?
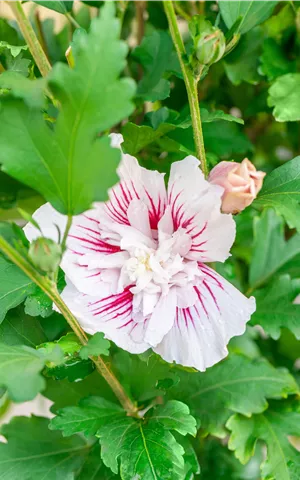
(155, 270)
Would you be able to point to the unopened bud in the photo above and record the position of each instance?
(45, 254)
(241, 183)
(210, 46)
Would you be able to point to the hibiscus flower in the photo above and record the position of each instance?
(136, 266)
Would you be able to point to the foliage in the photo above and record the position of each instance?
(280, 420)
(115, 68)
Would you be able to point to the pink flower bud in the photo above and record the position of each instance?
(241, 183)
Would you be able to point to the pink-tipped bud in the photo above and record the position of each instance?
(241, 183)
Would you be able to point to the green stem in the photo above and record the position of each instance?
(50, 289)
(66, 232)
(181, 12)
(72, 20)
(28, 33)
(41, 36)
(191, 84)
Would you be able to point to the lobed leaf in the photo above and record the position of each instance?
(97, 345)
(272, 427)
(281, 191)
(283, 96)
(32, 452)
(275, 308)
(70, 166)
(237, 384)
(270, 250)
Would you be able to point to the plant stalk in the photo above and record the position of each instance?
(31, 39)
(50, 289)
(72, 20)
(191, 83)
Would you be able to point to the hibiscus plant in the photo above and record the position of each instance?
(149, 240)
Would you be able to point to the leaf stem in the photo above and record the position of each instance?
(182, 12)
(72, 20)
(41, 36)
(50, 289)
(66, 232)
(191, 83)
(31, 38)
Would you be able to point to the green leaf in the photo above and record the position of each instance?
(19, 363)
(275, 308)
(225, 139)
(94, 469)
(145, 451)
(15, 50)
(144, 376)
(154, 55)
(14, 287)
(97, 345)
(252, 12)
(212, 395)
(31, 91)
(11, 191)
(87, 418)
(284, 96)
(69, 343)
(218, 115)
(150, 452)
(9, 33)
(191, 463)
(217, 462)
(164, 121)
(281, 191)
(176, 416)
(21, 329)
(74, 369)
(138, 137)
(245, 344)
(34, 453)
(134, 442)
(64, 393)
(274, 62)
(270, 250)
(276, 26)
(38, 303)
(71, 167)
(272, 427)
(241, 65)
(18, 65)
(57, 6)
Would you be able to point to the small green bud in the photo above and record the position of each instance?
(210, 46)
(45, 254)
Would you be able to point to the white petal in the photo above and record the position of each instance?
(201, 333)
(162, 318)
(46, 217)
(110, 315)
(114, 260)
(196, 207)
(116, 140)
(138, 217)
(136, 183)
(186, 296)
(87, 251)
